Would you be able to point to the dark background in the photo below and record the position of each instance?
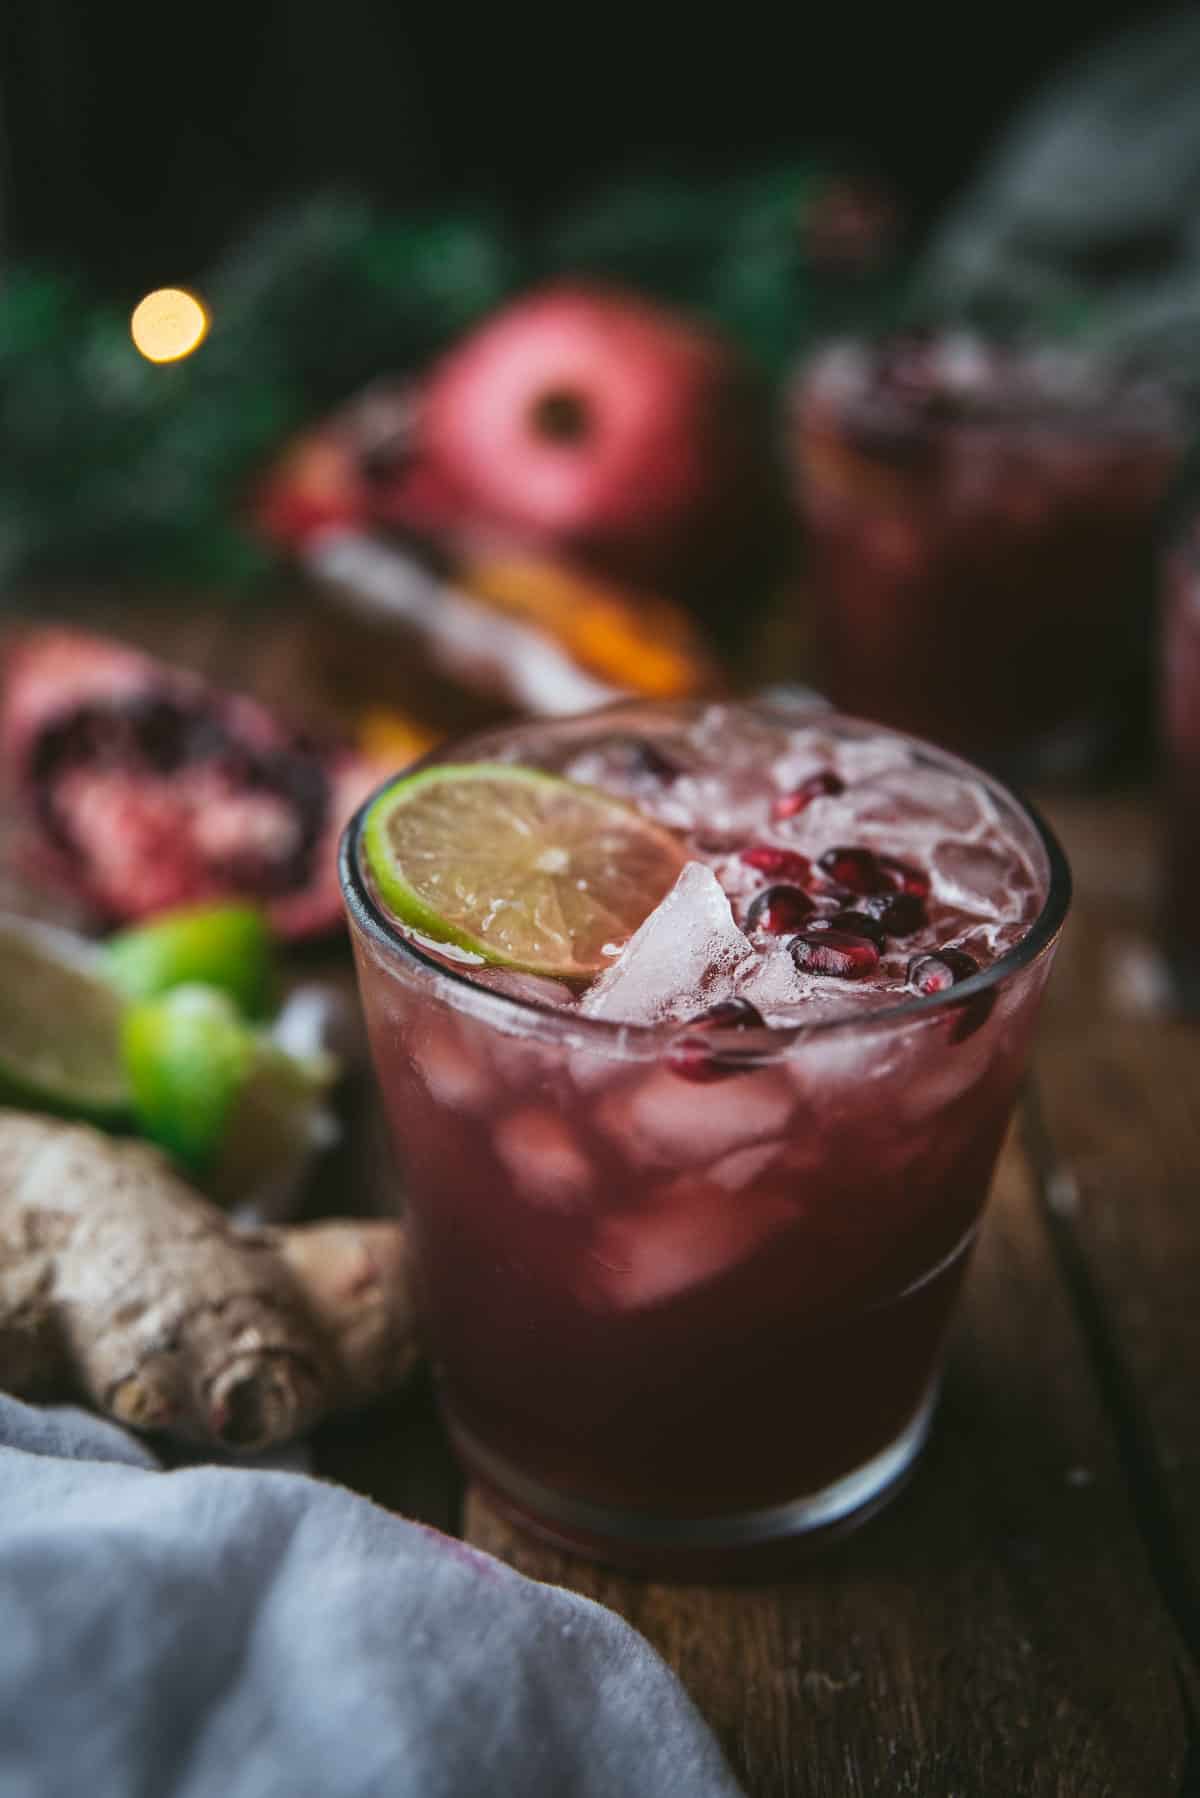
(139, 138)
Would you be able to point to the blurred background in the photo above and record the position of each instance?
(139, 144)
(518, 366)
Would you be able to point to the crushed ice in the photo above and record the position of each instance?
(684, 958)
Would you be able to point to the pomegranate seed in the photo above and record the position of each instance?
(899, 913)
(778, 910)
(938, 973)
(869, 875)
(834, 952)
(930, 974)
(785, 864)
(692, 1059)
(818, 786)
(854, 923)
(913, 882)
(857, 870)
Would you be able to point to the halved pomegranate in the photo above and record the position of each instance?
(143, 787)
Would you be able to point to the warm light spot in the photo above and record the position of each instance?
(167, 324)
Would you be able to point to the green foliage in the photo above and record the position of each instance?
(111, 465)
(329, 293)
(741, 252)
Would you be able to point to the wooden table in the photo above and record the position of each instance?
(1026, 1618)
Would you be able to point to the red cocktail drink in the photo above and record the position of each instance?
(978, 542)
(689, 1233)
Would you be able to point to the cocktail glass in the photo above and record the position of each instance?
(675, 1324)
(978, 544)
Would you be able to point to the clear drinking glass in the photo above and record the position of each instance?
(978, 543)
(678, 1325)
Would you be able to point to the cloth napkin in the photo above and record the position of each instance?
(218, 1632)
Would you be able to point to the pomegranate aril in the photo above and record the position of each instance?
(898, 913)
(855, 870)
(854, 923)
(912, 882)
(779, 909)
(693, 1058)
(937, 973)
(784, 864)
(834, 952)
(818, 786)
(869, 875)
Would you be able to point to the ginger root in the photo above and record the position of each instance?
(121, 1285)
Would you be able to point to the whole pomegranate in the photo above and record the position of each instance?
(601, 426)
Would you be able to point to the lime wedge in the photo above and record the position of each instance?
(60, 1024)
(221, 1097)
(525, 869)
(226, 946)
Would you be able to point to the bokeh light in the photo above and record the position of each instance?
(168, 323)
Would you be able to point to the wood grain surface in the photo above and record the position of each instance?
(1025, 1619)
(998, 1631)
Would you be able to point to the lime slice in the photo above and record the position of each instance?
(60, 1024)
(224, 946)
(523, 868)
(279, 1119)
(221, 1097)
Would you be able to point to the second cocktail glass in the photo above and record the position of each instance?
(978, 542)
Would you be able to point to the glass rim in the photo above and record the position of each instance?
(1125, 423)
(754, 1044)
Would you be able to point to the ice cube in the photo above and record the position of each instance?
(730, 736)
(524, 1047)
(688, 1233)
(923, 804)
(714, 803)
(453, 1073)
(989, 941)
(737, 1171)
(681, 960)
(547, 1166)
(940, 1080)
(859, 759)
(664, 1120)
(773, 983)
(981, 878)
(838, 1069)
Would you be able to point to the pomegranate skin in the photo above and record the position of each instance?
(606, 428)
